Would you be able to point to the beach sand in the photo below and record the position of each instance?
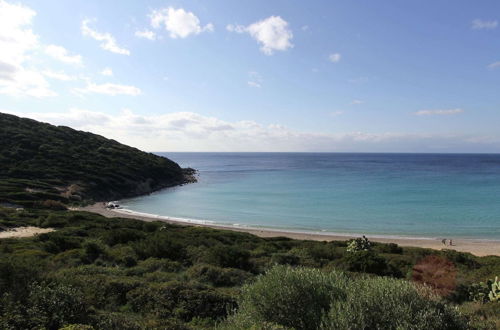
(475, 246)
(24, 232)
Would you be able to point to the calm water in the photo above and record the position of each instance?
(424, 195)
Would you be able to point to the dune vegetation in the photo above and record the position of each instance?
(93, 272)
(129, 274)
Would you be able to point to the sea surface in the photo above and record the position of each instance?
(414, 195)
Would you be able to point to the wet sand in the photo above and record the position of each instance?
(475, 246)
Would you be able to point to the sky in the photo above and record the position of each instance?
(282, 75)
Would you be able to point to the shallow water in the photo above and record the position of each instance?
(424, 195)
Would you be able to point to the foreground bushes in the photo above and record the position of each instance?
(127, 274)
(303, 298)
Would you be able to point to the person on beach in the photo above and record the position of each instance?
(443, 241)
(451, 242)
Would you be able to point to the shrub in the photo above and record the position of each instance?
(92, 249)
(295, 298)
(359, 244)
(122, 236)
(385, 303)
(366, 262)
(180, 300)
(218, 276)
(229, 256)
(54, 305)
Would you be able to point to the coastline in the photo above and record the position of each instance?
(477, 247)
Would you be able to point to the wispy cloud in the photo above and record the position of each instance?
(255, 79)
(356, 102)
(146, 34)
(272, 33)
(439, 112)
(335, 58)
(108, 89)
(58, 75)
(494, 65)
(107, 72)
(108, 42)
(181, 131)
(178, 22)
(479, 24)
(61, 54)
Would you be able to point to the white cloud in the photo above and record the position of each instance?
(108, 41)
(335, 57)
(438, 112)
(18, 42)
(356, 102)
(108, 89)
(336, 113)
(60, 53)
(479, 24)
(178, 22)
(146, 34)
(254, 79)
(494, 65)
(58, 75)
(272, 33)
(187, 131)
(107, 72)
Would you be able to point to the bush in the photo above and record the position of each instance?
(366, 262)
(385, 303)
(359, 244)
(288, 297)
(229, 256)
(180, 300)
(52, 306)
(92, 249)
(218, 276)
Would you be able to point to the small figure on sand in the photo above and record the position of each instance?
(443, 241)
(451, 242)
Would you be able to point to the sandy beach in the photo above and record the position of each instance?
(475, 246)
(24, 232)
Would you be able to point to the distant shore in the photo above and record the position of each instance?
(475, 246)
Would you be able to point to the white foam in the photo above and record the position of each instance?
(161, 217)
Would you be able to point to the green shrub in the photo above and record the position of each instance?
(229, 256)
(366, 262)
(180, 300)
(384, 303)
(294, 298)
(53, 305)
(92, 249)
(359, 244)
(218, 276)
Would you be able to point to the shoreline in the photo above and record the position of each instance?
(478, 247)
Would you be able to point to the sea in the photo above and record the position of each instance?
(393, 195)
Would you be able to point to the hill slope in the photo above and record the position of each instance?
(40, 162)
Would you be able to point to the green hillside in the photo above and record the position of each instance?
(41, 163)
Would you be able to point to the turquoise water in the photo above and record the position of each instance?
(421, 195)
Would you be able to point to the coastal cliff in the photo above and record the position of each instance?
(43, 165)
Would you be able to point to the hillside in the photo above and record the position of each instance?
(41, 163)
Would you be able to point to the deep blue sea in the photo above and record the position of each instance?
(416, 195)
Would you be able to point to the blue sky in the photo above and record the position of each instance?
(259, 76)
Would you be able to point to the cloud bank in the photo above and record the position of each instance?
(187, 131)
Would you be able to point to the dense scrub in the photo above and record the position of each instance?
(128, 274)
(42, 165)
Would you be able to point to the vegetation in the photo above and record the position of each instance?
(99, 273)
(42, 165)
(128, 274)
